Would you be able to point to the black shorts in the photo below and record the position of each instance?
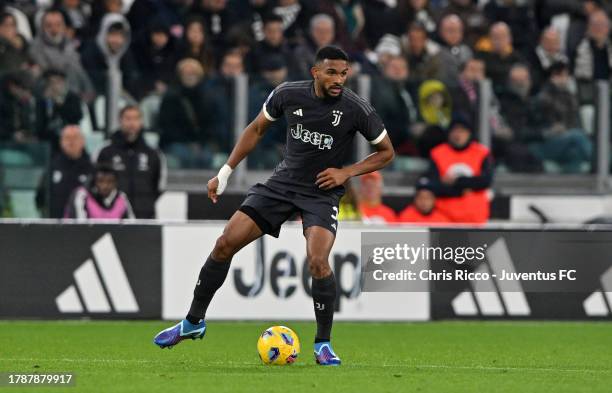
(271, 206)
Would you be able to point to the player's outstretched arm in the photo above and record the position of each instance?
(249, 138)
(333, 177)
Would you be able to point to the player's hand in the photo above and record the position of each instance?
(212, 189)
(331, 177)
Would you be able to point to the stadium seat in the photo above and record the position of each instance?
(94, 141)
(23, 203)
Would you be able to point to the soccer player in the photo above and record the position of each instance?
(322, 120)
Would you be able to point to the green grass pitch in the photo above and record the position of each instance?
(378, 357)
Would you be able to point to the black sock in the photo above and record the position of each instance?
(212, 276)
(324, 299)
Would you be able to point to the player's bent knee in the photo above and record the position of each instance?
(224, 250)
(318, 266)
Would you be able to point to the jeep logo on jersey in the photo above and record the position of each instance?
(323, 141)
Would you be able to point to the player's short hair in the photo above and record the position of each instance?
(331, 52)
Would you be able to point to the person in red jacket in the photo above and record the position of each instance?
(423, 208)
(461, 173)
(370, 200)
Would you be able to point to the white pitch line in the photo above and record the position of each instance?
(350, 365)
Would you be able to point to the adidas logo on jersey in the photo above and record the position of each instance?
(323, 141)
(298, 112)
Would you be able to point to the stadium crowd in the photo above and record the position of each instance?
(426, 59)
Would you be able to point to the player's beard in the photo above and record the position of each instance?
(328, 91)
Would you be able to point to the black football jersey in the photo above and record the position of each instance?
(320, 131)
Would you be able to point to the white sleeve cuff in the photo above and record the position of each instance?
(267, 115)
(379, 138)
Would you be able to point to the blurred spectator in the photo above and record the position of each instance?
(297, 16)
(545, 55)
(380, 18)
(453, 50)
(78, 13)
(474, 20)
(349, 20)
(252, 13)
(155, 53)
(56, 107)
(371, 208)
(142, 169)
(268, 151)
(321, 34)
(421, 53)
(466, 93)
(394, 103)
(461, 174)
(273, 45)
(593, 59)
(435, 111)
(220, 102)
(518, 16)
(184, 118)
(578, 12)
(517, 106)
(52, 48)
(218, 19)
(423, 208)
(195, 45)
(167, 13)
(101, 199)
(70, 167)
(13, 47)
(17, 109)
(418, 11)
(101, 8)
(564, 142)
(501, 56)
(519, 123)
(111, 50)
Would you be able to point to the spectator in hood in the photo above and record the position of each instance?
(70, 168)
(52, 48)
(141, 169)
(155, 52)
(111, 48)
(101, 199)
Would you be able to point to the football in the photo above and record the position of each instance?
(278, 345)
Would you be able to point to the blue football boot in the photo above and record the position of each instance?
(181, 331)
(324, 354)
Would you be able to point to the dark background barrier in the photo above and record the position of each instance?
(589, 252)
(38, 262)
